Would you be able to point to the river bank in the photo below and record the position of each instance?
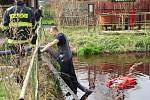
(91, 43)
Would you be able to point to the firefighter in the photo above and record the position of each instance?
(18, 21)
(65, 61)
(38, 13)
(38, 16)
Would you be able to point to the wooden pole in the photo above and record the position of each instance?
(31, 70)
(145, 21)
(26, 81)
(122, 21)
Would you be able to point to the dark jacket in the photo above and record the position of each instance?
(20, 20)
(38, 14)
(63, 47)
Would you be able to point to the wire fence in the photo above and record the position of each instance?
(107, 22)
(124, 21)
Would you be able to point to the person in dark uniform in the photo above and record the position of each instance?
(38, 13)
(65, 60)
(18, 21)
(126, 22)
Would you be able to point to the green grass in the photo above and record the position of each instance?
(2, 92)
(85, 43)
(48, 21)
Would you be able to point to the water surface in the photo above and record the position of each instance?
(94, 71)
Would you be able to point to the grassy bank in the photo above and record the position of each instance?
(2, 92)
(48, 86)
(48, 21)
(85, 43)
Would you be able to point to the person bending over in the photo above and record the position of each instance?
(64, 59)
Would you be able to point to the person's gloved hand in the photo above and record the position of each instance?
(42, 50)
(41, 47)
(33, 39)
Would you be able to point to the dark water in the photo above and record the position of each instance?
(94, 71)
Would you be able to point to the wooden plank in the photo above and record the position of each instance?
(63, 85)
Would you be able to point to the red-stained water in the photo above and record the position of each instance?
(94, 71)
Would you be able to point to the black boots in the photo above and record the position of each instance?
(87, 93)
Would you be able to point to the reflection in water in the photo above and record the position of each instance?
(94, 71)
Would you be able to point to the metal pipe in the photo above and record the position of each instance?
(11, 52)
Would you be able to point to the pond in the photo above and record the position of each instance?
(94, 71)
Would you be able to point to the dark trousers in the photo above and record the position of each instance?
(67, 72)
(66, 69)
